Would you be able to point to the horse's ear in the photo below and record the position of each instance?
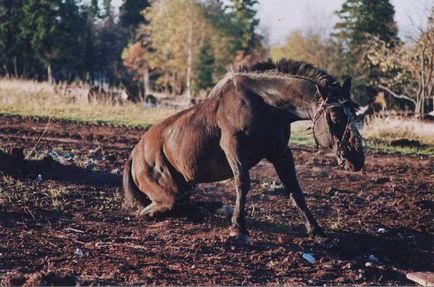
(347, 85)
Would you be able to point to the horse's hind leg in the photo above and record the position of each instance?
(163, 186)
(162, 198)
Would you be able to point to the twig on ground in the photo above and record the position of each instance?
(39, 139)
(74, 230)
(28, 210)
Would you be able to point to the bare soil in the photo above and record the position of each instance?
(62, 222)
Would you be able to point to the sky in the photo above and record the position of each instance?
(279, 17)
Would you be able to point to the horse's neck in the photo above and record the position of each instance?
(296, 94)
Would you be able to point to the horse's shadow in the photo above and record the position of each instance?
(49, 169)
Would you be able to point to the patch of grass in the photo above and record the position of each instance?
(31, 98)
(30, 193)
(300, 135)
(390, 128)
(404, 150)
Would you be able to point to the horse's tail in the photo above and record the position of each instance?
(134, 198)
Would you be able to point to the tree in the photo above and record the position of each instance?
(131, 16)
(411, 64)
(359, 21)
(204, 78)
(107, 8)
(53, 30)
(93, 9)
(39, 28)
(248, 44)
(70, 40)
(135, 59)
(318, 50)
(11, 46)
(244, 21)
(108, 44)
(176, 32)
(131, 19)
(189, 43)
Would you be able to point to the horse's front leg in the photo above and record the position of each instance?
(231, 147)
(283, 162)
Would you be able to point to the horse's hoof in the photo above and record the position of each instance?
(322, 239)
(237, 234)
(146, 214)
(328, 243)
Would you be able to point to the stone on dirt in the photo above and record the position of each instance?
(374, 259)
(225, 210)
(309, 257)
(422, 278)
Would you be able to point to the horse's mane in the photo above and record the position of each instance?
(292, 67)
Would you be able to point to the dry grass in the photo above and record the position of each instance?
(387, 129)
(31, 98)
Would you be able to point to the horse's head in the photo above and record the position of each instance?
(334, 125)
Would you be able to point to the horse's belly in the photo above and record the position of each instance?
(199, 157)
(213, 168)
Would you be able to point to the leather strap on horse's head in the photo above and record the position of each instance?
(326, 104)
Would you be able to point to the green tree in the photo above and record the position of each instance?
(11, 46)
(243, 16)
(92, 9)
(108, 44)
(39, 28)
(71, 40)
(53, 30)
(204, 72)
(360, 21)
(131, 16)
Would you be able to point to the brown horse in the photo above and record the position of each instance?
(245, 119)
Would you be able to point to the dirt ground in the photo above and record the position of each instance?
(61, 221)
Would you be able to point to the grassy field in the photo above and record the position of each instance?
(31, 98)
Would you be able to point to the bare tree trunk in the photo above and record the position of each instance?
(49, 74)
(5, 67)
(146, 84)
(189, 58)
(15, 67)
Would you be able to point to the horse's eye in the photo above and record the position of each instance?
(334, 117)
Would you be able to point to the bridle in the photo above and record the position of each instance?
(350, 127)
